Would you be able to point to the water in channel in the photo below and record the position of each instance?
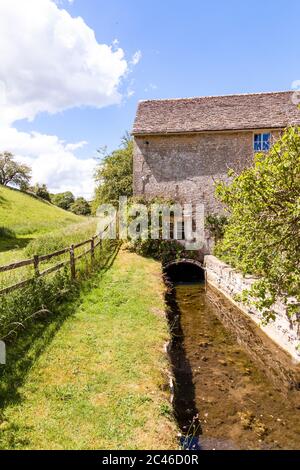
(222, 400)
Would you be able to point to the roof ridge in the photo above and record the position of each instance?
(228, 112)
(218, 96)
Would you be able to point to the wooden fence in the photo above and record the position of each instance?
(93, 243)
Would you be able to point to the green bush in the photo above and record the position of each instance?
(63, 200)
(263, 231)
(162, 250)
(81, 207)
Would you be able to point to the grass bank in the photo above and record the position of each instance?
(43, 245)
(94, 376)
(23, 218)
(26, 215)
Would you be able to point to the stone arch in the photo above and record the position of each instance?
(184, 269)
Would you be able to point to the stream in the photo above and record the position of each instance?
(222, 399)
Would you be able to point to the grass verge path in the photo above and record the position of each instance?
(98, 384)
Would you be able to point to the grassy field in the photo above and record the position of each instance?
(94, 376)
(24, 218)
(26, 215)
(29, 226)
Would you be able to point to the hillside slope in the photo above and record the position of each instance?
(24, 218)
(25, 215)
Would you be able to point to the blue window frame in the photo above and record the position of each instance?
(262, 142)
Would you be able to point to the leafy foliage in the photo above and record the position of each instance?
(12, 172)
(216, 224)
(63, 200)
(160, 249)
(41, 191)
(114, 175)
(263, 233)
(80, 207)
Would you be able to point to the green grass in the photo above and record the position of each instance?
(45, 244)
(62, 238)
(26, 215)
(24, 218)
(29, 226)
(93, 377)
(22, 305)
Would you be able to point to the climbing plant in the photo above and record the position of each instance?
(161, 249)
(216, 225)
(262, 236)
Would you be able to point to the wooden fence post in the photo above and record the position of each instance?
(37, 259)
(93, 250)
(36, 265)
(72, 262)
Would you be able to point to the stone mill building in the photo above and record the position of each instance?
(182, 145)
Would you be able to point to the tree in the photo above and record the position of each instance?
(81, 207)
(263, 232)
(42, 192)
(114, 174)
(12, 172)
(63, 200)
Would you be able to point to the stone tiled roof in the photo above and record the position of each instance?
(216, 113)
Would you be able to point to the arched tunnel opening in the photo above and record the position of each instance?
(184, 271)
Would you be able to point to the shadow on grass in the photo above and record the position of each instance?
(24, 351)
(32, 341)
(10, 241)
(7, 244)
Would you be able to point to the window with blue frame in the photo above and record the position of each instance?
(262, 142)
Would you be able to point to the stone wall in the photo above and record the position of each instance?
(284, 331)
(184, 167)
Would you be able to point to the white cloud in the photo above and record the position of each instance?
(136, 58)
(151, 87)
(130, 93)
(61, 2)
(50, 62)
(78, 145)
(52, 161)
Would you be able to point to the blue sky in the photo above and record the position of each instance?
(188, 48)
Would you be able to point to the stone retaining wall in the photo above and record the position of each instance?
(283, 331)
